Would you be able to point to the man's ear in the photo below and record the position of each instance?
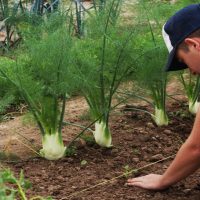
(193, 42)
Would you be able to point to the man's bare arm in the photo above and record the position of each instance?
(185, 163)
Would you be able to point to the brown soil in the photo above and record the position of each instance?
(137, 143)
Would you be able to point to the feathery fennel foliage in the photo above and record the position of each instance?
(159, 10)
(151, 76)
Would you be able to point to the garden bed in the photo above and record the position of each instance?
(137, 143)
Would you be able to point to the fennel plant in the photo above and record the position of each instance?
(104, 58)
(151, 76)
(42, 78)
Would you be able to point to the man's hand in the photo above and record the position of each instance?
(150, 182)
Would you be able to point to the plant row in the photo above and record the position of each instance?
(54, 61)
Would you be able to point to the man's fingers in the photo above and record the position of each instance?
(134, 180)
(137, 184)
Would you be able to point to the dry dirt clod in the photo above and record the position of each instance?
(80, 143)
(156, 157)
(158, 195)
(114, 151)
(187, 191)
(136, 160)
(150, 125)
(167, 132)
(144, 138)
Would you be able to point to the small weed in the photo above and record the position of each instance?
(127, 169)
(136, 151)
(13, 157)
(70, 151)
(8, 156)
(85, 116)
(11, 187)
(182, 114)
(3, 156)
(89, 139)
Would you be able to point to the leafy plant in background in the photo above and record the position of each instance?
(97, 7)
(42, 78)
(101, 5)
(12, 188)
(104, 58)
(9, 97)
(41, 7)
(18, 16)
(159, 11)
(7, 94)
(191, 86)
(80, 11)
(11, 15)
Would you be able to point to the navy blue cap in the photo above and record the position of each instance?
(176, 29)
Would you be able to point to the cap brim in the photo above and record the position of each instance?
(173, 64)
